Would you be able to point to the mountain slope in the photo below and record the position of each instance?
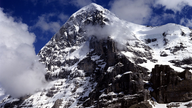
(98, 60)
(169, 42)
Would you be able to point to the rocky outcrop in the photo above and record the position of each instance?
(169, 85)
(141, 105)
(119, 84)
(57, 104)
(62, 74)
(92, 70)
(163, 54)
(17, 103)
(87, 65)
(105, 47)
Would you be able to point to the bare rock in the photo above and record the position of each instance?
(57, 103)
(169, 85)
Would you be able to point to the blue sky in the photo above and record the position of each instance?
(45, 17)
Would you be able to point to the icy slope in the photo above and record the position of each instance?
(99, 60)
(72, 42)
(76, 40)
(169, 43)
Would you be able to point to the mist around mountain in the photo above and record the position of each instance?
(20, 71)
(98, 60)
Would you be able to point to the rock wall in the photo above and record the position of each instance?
(119, 83)
(169, 85)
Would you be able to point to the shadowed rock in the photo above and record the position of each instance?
(171, 86)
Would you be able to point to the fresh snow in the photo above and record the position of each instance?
(110, 69)
(129, 38)
(2, 93)
(180, 104)
(124, 33)
(174, 38)
(128, 72)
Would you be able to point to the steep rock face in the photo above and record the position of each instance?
(75, 53)
(119, 83)
(97, 60)
(71, 35)
(171, 86)
(117, 78)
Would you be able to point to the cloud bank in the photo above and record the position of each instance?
(81, 3)
(117, 30)
(176, 5)
(136, 11)
(46, 24)
(77, 3)
(142, 11)
(20, 71)
(186, 22)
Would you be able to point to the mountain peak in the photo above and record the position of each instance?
(98, 60)
(92, 6)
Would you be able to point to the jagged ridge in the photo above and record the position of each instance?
(98, 60)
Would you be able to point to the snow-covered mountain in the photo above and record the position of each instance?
(99, 60)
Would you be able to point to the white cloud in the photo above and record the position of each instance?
(186, 22)
(160, 19)
(81, 3)
(45, 24)
(136, 11)
(175, 5)
(77, 3)
(20, 71)
(117, 31)
(63, 17)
